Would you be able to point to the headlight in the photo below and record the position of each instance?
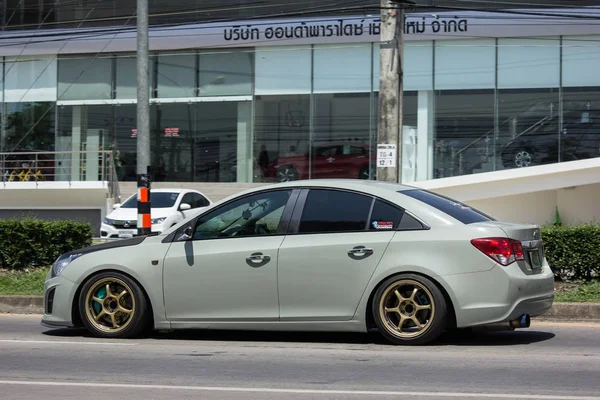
(61, 263)
(158, 220)
(108, 221)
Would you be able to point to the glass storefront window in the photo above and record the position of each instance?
(581, 61)
(176, 75)
(528, 126)
(465, 64)
(225, 73)
(282, 138)
(126, 76)
(580, 129)
(528, 63)
(281, 71)
(84, 78)
(341, 138)
(464, 134)
(418, 65)
(30, 79)
(82, 128)
(342, 69)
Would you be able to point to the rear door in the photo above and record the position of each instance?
(330, 254)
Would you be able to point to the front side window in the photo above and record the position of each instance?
(334, 211)
(157, 200)
(255, 215)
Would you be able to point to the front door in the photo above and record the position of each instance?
(325, 268)
(225, 267)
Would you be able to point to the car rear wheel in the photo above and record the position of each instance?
(287, 173)
(409, 309)
(112, 305)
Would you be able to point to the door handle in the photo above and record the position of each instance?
(360, 251)
(258, 258)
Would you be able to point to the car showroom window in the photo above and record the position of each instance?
(455, 209)
(334, 211)
(255, 215)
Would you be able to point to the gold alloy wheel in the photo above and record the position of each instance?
(407, 309)
(110, 305)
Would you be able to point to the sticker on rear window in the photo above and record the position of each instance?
(382, 225)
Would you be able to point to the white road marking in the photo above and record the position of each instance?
(399, 393)
(64, 342)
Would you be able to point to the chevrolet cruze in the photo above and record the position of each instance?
(346, 255)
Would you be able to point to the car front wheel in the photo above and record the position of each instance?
(409, 309)
(112, 305)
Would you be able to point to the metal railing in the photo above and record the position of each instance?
(485, 153)
(60, 166)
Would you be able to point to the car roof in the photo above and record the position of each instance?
(378, 188)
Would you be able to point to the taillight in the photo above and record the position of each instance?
(502, 250)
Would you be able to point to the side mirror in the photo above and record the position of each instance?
(186, 234)
(115, 206)
(184, 207)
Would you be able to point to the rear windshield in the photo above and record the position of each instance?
(453, 208)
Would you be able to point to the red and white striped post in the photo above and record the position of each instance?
(144, 220)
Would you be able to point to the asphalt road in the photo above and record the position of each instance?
(547, 361)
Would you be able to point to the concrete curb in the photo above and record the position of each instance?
(559, 311)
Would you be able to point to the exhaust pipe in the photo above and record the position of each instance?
(524, 321)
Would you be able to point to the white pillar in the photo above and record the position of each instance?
(79, 126)
(425, 126)
(245, 167)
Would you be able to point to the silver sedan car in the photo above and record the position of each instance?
(319, 255)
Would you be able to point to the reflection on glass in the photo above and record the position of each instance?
(29, 128)
(580, 132)
(340, 147)
(464, 132)
(282, 128)
(529, 123)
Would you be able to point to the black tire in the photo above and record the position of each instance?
(123, 304)
(420, 301)
(286, 173)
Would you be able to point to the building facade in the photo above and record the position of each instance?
(289, 98)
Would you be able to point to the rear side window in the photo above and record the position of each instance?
(334, 211)
(455, 209)
(385, 217)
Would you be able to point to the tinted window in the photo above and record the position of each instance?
(158, 200)
(199, 200)
(335, 211)
(409, 223)
(385, 217)
(188, 199)
(255, 215)
(453, 208)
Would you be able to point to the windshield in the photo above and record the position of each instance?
(158, 200)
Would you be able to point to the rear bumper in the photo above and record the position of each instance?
(500, 294)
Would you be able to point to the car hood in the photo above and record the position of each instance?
(123, 214)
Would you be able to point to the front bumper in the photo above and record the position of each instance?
(110, 232)
(501, 294)
(59, 296)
